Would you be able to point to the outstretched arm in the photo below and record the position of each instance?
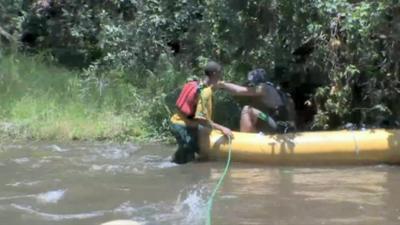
(238, 89)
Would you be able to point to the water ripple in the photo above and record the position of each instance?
(58, 217)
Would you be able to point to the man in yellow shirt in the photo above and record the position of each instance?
(186, 128)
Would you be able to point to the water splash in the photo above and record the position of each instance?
(51, 196)
(189, 208)
(193, 205)
(166, 163)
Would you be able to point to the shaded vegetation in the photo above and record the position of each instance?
(338, 58)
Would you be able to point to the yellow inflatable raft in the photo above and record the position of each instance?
(307, 148)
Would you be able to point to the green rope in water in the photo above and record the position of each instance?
(211, 201)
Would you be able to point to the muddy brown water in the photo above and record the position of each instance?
(91, 183)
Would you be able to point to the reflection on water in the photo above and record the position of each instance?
(90, 183)
(356, 186)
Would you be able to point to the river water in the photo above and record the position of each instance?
(91, 183)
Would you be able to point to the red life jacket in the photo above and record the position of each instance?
(187, 100)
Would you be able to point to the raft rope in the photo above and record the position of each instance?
(219, 184)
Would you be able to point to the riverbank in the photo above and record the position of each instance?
(43, 101)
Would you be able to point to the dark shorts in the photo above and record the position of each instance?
(187, 140)
(279, 116)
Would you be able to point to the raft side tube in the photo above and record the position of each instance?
(324, 147)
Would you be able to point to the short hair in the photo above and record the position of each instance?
(212, 67)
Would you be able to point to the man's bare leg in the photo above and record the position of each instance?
(248, 119)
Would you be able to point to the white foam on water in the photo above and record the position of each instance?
(114, 153)
(166, 163)
(151, 162)
(126, 208)
(96, 167)
(36, 166)
(21, 160)
(150, 158)
(228, 197)
(16, 197)
(156, 213)
(57, 148)
(140, 213)
(18, 184)
(41, 163)
(112, 169)
(11, 146)
(58, 217)
(51, 196)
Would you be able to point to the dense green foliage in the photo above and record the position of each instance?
(340, 56)
(48, 102)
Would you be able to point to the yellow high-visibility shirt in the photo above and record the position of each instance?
(203, 109)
